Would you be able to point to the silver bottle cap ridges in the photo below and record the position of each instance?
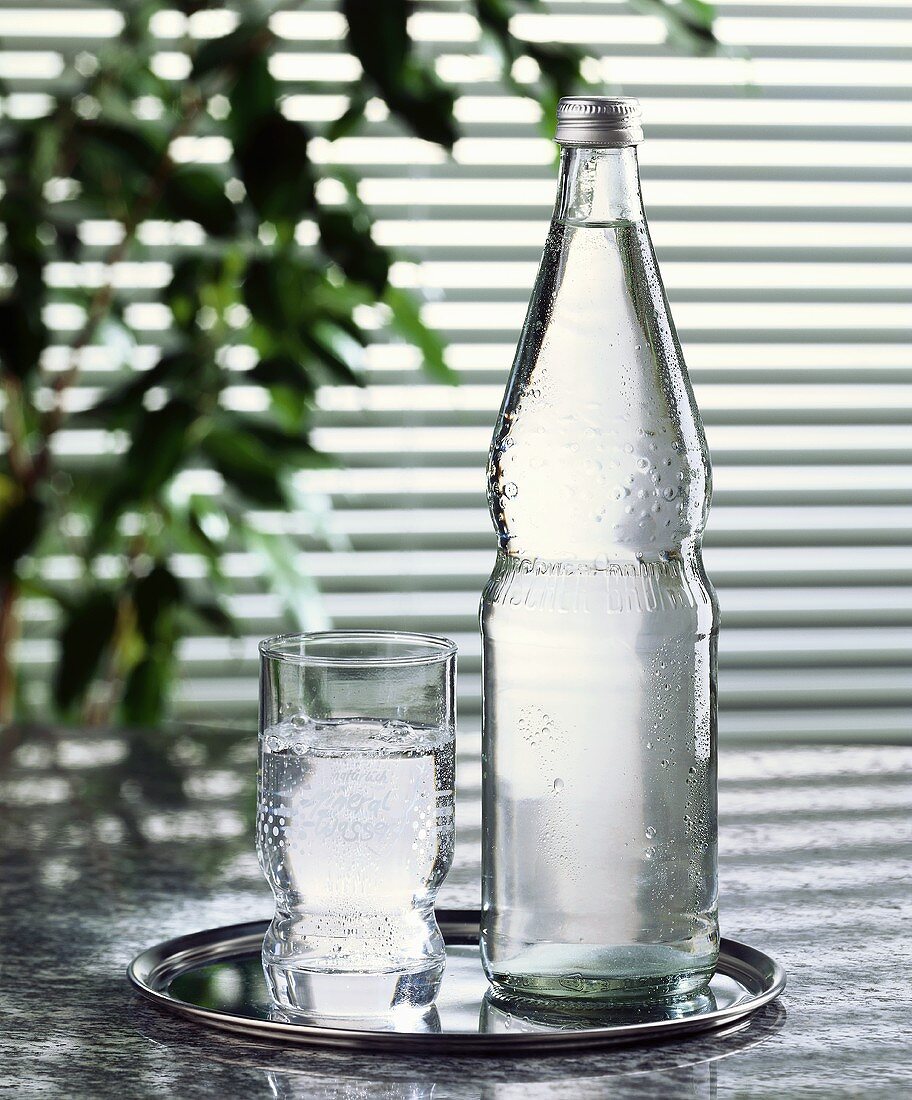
(599, 120)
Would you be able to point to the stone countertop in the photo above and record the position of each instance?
(110, 844)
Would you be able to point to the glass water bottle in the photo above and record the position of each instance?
(599, 624)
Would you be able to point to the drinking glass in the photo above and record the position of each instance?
(355, 816)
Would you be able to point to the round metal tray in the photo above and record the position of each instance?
(215, 977)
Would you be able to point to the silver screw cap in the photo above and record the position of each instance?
(599, 120)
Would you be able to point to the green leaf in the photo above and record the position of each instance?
(160, 442)
(246, 466)
(229, 50)
(22, 335)
(345, 237)
(688, 24)
(277, 442)
(154, 597)
(87, 632)
(275, 168)
(349, 327)
(23, 212)
(699, 12)
(325, 344)
(122, 147)
(291, 387)
(351, 118)
(276, 289)
(406, 321)
(144, 695)
(184, 520)
(115, 164)
(191, 7)
(253, 97)
(193, 275)
(560, 71)
(213, 615)
(21, 523)
(378, 37)
(285, 371)
(45, 590)
(126, 401)
(295, 587)
(197, 195)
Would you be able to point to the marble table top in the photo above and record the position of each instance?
(111, 843)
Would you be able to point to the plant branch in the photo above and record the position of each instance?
(17, 453)
(8, 623)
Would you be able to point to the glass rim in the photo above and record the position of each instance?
(436, 648)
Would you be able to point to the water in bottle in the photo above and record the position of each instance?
(599, 624)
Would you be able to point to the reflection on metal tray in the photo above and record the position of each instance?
(215, 977)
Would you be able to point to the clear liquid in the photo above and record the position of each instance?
(355, 836)
(599, 630)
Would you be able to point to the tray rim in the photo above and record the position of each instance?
(151, 971)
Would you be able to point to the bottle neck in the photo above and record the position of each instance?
(599, 186)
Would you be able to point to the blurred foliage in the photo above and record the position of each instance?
(105, 153)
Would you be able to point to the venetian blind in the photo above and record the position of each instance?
(777, 182)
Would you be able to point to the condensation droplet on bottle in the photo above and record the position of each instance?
(650, 832)
(510, 489)
(621, 491)
(558, 785)
(670, 493)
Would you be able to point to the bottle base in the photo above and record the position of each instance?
(619, 975)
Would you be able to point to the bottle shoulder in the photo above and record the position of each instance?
(673, 587)
(599, 443)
